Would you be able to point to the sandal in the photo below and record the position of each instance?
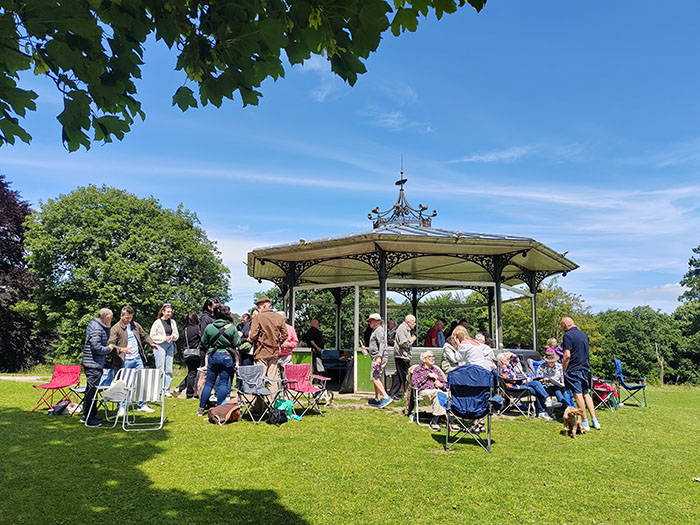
(455, 428)
(434, 427)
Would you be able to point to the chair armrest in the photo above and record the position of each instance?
(273, 380)
(635, 379)
(322, 378)
(291, 381)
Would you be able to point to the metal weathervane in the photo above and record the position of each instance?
(401, 213)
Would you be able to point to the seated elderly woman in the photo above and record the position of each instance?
(507, 370)
(551, 375)
(428, 380)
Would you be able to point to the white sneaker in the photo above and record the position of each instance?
(554, 403)
(121, 412)
(545, 416)
(596, 425)
(167, 394)
(146, 408)
(548, 402)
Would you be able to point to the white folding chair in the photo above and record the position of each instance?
(147, 387)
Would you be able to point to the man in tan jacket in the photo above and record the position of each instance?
(268, 331)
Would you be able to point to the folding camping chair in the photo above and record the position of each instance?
(79, 393)
(603, 395)
(516, 397)
(299, 385)
(147, 387)
(109, 397)
(64, 377)
(251, 386)
(631, 390)
(471, 398)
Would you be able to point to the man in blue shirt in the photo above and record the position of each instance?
(576, 366)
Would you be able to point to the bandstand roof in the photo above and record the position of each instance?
(413, 252)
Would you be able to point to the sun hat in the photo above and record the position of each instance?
(551, 356)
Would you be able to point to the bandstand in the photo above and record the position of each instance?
(404, 253)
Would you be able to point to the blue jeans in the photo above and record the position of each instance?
(561, 397)
(164, 361)
(540, 396)
(137, 364)
(220, 372)
(107, 376)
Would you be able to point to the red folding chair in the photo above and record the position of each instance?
(64, 377)
(299, 386)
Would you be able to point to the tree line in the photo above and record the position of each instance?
(100, 246)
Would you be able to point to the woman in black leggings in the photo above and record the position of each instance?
(190, 338)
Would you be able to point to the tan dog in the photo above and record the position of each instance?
(572, 421)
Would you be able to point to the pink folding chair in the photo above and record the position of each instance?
(303, 393)
(64, 377)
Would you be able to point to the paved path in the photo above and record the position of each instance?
(25, 379)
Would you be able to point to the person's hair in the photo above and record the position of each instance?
(208, 303)
(192, 319)
(392, 320)
(410, 317)
(463, 321)
(245, 314)
(221, 311)
(480, 337)
(162, 309)
(423, 355)
(460, 333)
(104, 313)
(453, 341)
(128, 310)
(551, 342)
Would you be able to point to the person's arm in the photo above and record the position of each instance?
(232, 335)
(283, 334)
(175, 334)
(403, 339)
(419, 377)
(254, 332)
(95, 339)
(565, 361)
(157, 333)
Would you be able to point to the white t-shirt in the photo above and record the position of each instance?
(132, 345)
(475, 355)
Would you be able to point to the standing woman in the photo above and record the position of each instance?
(164, 333)
(219, 340)
(193, 341)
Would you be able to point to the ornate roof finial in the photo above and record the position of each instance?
(401, 213)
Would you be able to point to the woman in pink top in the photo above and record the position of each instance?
(286, 349)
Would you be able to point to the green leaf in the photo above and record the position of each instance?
(184, 98)
(404, 19)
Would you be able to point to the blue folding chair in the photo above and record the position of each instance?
(471, 398)
(631, 390)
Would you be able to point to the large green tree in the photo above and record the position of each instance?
(104, 247)
(20, 344)
(692, 278)
(93, 51)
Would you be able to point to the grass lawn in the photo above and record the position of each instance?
(353, 466)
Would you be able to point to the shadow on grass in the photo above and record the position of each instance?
(57, 471)
(464, 440)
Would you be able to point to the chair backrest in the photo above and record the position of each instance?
(128, 375)
(618, 368)
(65, 374)
(147, 385)
(535, 365)
(471, 387)
(251, 378)
(298, 375)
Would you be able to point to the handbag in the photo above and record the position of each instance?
(224, 413)
(187, 352)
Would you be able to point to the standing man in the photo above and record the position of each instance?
(441, 334)
(127, 335)
(391, 332)
(244, 356)
(267, 333)
(95, 352)
(314, 338)
(403, 342)
(431, 337)
(576, 366)
(379, 353)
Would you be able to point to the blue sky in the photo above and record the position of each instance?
(575, 124)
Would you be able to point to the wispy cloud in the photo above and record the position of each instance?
(392, 120)
(504, 155)
(683, 153)
(329, 85)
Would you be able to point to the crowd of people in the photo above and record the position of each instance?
(214, 345)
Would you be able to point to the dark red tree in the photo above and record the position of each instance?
(20, 346)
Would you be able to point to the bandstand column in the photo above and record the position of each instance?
(290, 281)
(498, 267)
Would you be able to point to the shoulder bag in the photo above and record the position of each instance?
(187, 352)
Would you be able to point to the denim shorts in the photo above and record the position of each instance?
(577, 381)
